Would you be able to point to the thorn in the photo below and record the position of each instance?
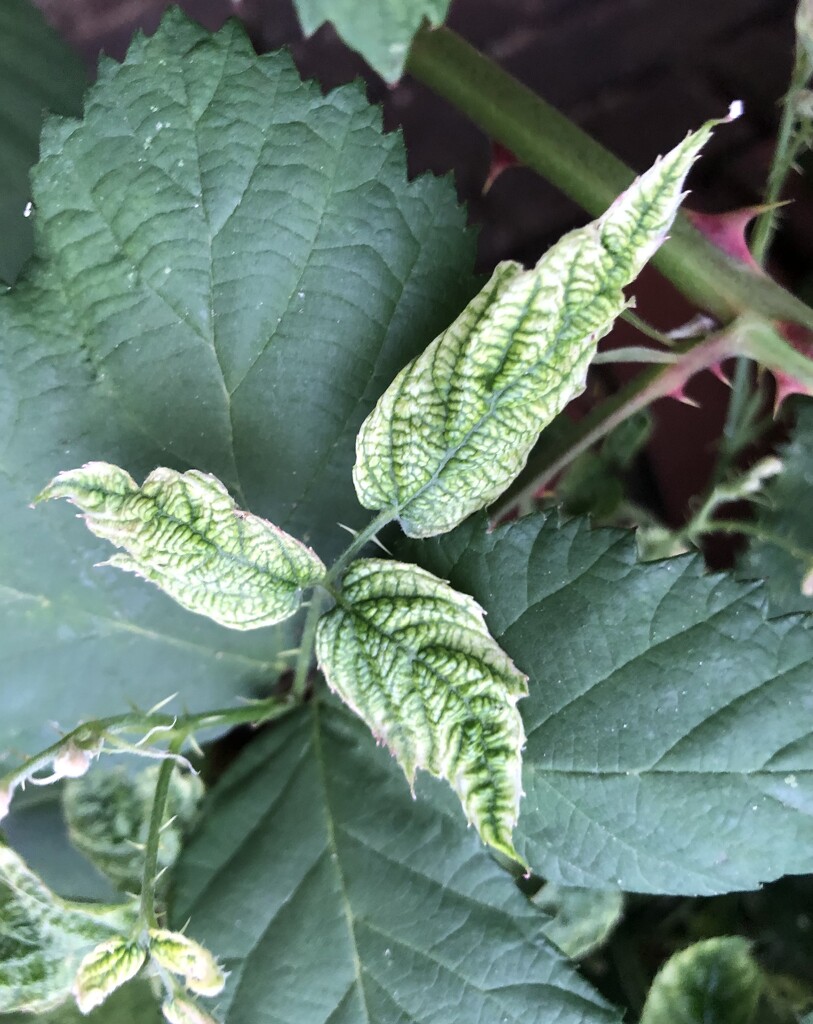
(162, 704)
(169, 822)
(680, 395)
(501, 160)
(350, 530)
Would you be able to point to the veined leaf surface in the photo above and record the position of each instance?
(457, 424)
(231, 269)
(183, 532)
(414, 659)
(670, 746)
(333, 897)
(43, 938)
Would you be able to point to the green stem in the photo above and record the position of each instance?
(787, 148)
(149, 878)
(360, 541)
(647, 329)
(752, 530)
(305, 657)
(550, 144)
(90, 735)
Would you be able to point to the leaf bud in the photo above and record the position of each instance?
(180, 1010)
(181, 955)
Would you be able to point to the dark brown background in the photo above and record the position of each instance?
(637, 74)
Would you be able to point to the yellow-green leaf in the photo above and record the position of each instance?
(413, 658)
(457, 424)
(184, 532)
(104, 969)
(176, 953)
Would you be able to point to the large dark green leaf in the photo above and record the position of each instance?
(333, 896)
(783, 556)
(231, 268)
(381, 32)
(670, 746)
(37, 73)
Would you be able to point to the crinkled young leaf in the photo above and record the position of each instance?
(107, 967)
(231, 268)
(711, 982)
(381, 31)
(43, 938)
(414, 659)
(180, 1010)
(184, 532)
(107, 814)
(179, 954)
(333, 897)
(670, 737)
(457, 424)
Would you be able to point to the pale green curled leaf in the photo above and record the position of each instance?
(381, 32)
(107, 814)
(107, 967)
(581, 919)
(414, 659)
(181, 955)
(333, 897)
(457, 424)
(44, 938)
(652, 686)
(183, 532)
(711, 982)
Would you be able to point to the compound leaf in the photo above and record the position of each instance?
(43, 938)
(231, 268)
(670, 747)
(457, 424)
(414, 659)
(184, 532)
(380, 32)
(331, 895)
(38, 72)
(711, 982)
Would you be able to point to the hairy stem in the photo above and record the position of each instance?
(546, 141)
(305, 657)
(149, 878)
(360, 541)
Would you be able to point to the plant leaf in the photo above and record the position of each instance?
(783, 557)
(415, 661)
(184, 532)
(381, 33)
(457, 424)
(43, 938)
(132, 1004)
(38, 72)
(107, 813)
(104, 969)
(711, 982)
(581, 919)
(179, 954)
(331, 895)
(669, 745)
(303, 271)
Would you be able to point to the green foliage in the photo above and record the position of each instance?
(132, 1004)
(581, 919)
(184, 532)
(660, 687)
(712, 982)
(107, 967)
(381, 907)
(43, 938)
(152, 331)
(37, 73)
(414, 659)
(107, 814)
(456, 426)
(381, 32)
(783, 554)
